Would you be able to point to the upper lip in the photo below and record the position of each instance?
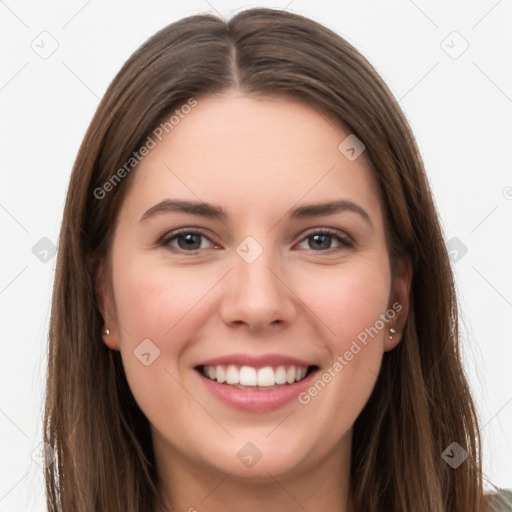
(256, 361)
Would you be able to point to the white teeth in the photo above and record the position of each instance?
(218, 371)
(232, 375)
(248, 376)
(266, 376)
(281, 375)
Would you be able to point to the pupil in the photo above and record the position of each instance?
(326, 239)
(190, 241)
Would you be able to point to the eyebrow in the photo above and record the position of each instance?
(216, 212)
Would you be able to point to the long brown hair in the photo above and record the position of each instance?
(421, 402)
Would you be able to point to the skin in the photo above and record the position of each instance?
(256, 158)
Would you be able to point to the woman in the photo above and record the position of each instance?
(304, 354)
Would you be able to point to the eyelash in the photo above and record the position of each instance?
(345, 242)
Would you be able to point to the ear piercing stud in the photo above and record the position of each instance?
(106, 332)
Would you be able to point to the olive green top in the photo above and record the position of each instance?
(502, 501)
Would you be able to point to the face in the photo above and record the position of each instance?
(258, 286)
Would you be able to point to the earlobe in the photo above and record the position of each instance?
(106, 307)
(109, 340)
(399, 302)
(392, 339)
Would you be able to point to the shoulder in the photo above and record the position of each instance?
(500, 501)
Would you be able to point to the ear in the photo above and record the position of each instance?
(399, 302)
(106, 304)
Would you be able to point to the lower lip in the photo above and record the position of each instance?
(257, 401)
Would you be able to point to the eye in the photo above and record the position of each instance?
(187, 240)
(323, 238)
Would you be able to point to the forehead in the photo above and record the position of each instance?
(252, 153)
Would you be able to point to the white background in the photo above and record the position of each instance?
(460, 110)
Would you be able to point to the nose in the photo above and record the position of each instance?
(257, 295)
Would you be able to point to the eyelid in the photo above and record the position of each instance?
(328, 231)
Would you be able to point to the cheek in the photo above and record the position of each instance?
(153, 300)
(157, 303)
(351, 303)
(348, 300)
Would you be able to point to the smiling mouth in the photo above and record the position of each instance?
(248, 378)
